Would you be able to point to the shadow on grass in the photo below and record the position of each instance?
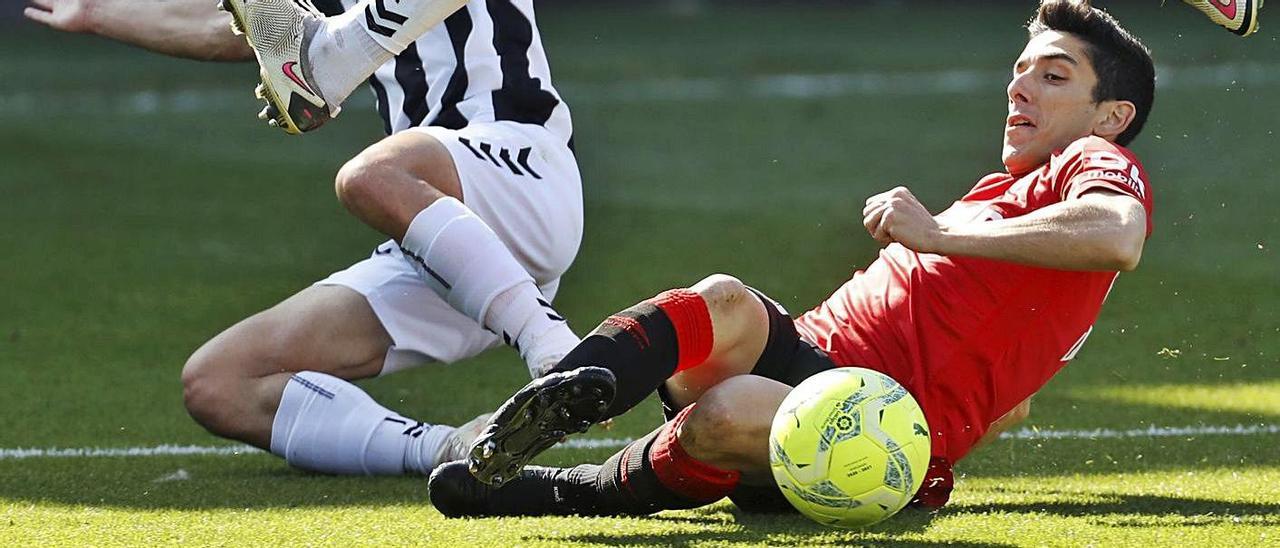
(1136, 511)
(188, 483)
(768, 529)
(794, 537)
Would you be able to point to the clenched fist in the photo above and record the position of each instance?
(897, 216)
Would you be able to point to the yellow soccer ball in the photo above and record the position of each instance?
(849, 447)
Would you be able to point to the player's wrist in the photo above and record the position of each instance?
(943, 241)
(91, 18)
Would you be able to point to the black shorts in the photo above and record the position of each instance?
(788, 359)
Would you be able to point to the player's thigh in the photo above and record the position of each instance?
(330, 329)
(522, 182)
(384, 179)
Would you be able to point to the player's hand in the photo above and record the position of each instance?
(65, 15)
(897, 216)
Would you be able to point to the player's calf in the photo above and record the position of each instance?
(729, 427)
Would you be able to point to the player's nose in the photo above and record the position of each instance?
(1017, 89)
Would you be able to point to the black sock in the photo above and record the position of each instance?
(638, 345)
(599, 490)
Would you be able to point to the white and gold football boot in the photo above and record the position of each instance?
(279, 31)
(459, 441)
(1238, 16)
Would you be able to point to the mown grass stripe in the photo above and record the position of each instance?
(775, 86)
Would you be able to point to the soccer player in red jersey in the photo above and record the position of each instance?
(972, 310)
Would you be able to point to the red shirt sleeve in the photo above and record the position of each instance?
(1092, 163)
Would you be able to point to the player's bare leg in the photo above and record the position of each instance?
(1013, 418)
(276, 378)
(390, 182)
(407, 187)
(702, 455)
(232, 383)
(729, 427)
(690, 339)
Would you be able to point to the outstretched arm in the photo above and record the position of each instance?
(193, 29)
(1100, 230)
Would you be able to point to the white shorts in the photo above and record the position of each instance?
(524, 183)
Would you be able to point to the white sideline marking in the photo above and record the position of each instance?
(156, 451)
(1148, 432)
(613, 443)
(781, 86)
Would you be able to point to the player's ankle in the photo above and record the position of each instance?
(547, 349)
(341, 56)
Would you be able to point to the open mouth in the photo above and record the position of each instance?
(1018, 120)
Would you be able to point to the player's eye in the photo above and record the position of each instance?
(1053, 77)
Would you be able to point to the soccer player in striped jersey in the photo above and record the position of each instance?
(476, 186)
(972, 310)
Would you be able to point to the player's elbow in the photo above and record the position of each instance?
(1120, 255)
(1126, 250)
(1128, 260)
(1118, 246)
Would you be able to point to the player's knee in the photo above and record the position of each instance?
(216, 379)
(723, 292)
(359, 181)
(205, 390)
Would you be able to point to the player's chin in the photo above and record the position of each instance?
(1020, 158)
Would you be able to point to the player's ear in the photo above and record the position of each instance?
(1113, 118)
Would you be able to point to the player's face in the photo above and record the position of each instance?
(1050, 100)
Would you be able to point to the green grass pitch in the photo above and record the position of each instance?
(143, 208)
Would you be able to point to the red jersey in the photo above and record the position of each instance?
(972, 338)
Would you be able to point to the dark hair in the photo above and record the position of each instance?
(1124, 67)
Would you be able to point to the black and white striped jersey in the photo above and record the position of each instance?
(484, 63)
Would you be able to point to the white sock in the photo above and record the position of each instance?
(541, 337)
(465, 262)
(342, 56)
(397, 23)
(325, 424)
(351, 46)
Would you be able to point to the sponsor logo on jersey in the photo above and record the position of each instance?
(1111, 167)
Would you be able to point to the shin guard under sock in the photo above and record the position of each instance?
(646, 344)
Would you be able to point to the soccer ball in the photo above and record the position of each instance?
(849, 447)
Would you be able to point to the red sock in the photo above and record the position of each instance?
(683, 474)
(692, 321)
(938, 482)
